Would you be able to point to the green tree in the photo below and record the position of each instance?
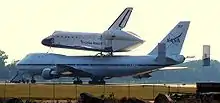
(12, 64)
(3, 58)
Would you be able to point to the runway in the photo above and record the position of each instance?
(109, 84)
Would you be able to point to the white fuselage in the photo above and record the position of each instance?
(115, 66)
(109, 41)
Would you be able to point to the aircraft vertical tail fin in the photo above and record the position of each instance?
(174, 40)
(122, 20)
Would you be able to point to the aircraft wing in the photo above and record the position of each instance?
(72, 70)
(147, 74)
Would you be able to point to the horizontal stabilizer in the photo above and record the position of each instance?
(172, 68)
(148, 73)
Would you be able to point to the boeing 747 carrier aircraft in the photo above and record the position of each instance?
(111, 40)
(51, 66)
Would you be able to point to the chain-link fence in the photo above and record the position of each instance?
(54, 91)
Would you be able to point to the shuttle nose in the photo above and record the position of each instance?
(47, 41)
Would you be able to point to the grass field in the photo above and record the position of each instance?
(72, 91)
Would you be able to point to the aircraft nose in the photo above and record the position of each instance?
(47, 41)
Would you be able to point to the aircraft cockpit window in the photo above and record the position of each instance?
(39, 56)
(27, 56)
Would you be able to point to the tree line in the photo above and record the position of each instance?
(3, 61)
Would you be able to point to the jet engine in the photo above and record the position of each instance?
(49, 73)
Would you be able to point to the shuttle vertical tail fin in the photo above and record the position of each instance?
(174, 40)
(122, 20)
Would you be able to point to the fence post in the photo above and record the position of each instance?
(104, 89)
(4, 91)
(76, 91)
(129, 89)
(29, 91)
(53, 92)
(169, 89)
(153, 91)
(177, 88)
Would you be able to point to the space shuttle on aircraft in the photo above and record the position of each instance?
(52, 66)
(112, 40)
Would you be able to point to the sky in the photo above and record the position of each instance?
(24, 23)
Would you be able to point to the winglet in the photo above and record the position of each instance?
(122, 20)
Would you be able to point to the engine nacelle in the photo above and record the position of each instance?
(49, 73)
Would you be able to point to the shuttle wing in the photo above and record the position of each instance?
(87, 47)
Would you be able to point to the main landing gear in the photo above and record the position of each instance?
(110, 54)
(77, 81)
(97, 81)
(33, 81)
